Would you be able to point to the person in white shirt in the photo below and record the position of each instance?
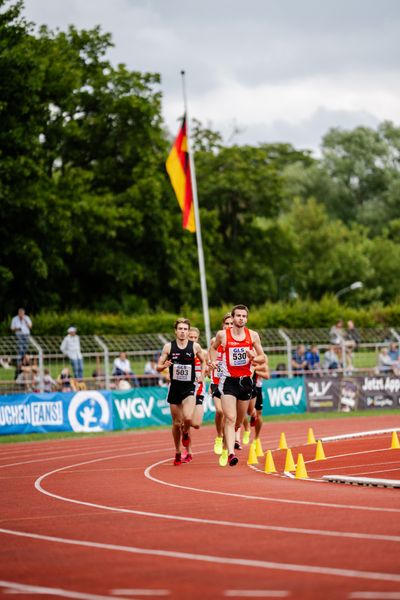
(122, 368)
(71, 347)
(21, 325)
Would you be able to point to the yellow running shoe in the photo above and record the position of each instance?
(218, 445)
(223, 459)
(246, 437)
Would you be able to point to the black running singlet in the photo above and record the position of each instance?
(182, 369)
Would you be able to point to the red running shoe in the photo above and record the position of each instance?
(177, 459)
(185, 439)
(232, 460)
(187, 458)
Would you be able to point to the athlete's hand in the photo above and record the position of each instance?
(199, 379)
(168, 364)
(212, 365)
(251, 354)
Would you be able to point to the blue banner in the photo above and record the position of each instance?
(87, 411)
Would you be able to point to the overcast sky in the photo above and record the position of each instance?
(276, 70)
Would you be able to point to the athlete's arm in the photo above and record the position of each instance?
(163, 362)
(260, 355)
(220, 339)
(199, 353)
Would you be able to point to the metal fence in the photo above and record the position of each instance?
(46, 361)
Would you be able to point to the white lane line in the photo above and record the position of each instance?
(40, 460)
(375, 595)
(219, 522)
(256, 593)
(266, 498)
(215, 559)
(21, 588)
(139, 592)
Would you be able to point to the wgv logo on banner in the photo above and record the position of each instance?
(89, 411)
(285, 395)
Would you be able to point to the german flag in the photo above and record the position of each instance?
(178, 169)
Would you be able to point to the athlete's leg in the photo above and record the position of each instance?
(198, 414)
(188, 405)
(177, 419)
(229, 407)
(242, 406)
(258, 424)
(219, 416)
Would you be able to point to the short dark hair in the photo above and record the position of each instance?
(239, 307)
(182, 320)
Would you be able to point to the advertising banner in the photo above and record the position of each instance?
(284, 396)
(322, 393)
(142, 407)
(378, 392)
(87, 411)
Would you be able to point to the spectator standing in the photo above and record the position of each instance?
(21, 325)
(352, 334)
(71, 347)
(299, 362)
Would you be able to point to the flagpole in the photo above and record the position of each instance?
(200, 253)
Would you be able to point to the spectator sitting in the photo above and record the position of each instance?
(65, 382)
(394, 351)
(150, 368)
(5, 362)
(386, 364)
(299, 362)
(122, 369)
(332, 359)
(49, 385)
(23, 373)
(313, 359)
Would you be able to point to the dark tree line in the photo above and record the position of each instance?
(89, 220)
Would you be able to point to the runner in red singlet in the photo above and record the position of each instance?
(227, 322)
(235, 383)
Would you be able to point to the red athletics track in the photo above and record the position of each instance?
(111, 517)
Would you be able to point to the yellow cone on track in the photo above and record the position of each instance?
(310, 436)
(289, 462)
(320, 454)
(395, 441)
(301, 471)
(259, 448)
(252, 460)
(282, 442)
(269, 463)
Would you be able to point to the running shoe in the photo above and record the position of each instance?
(223, 459)
(232, 460)
(246, 437)
(185, 439)
(187, 457)
(177, 459)
(218, 445)
(238, 446)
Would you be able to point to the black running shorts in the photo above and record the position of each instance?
(240, 387)
(179, 391)
(199, 400)
(259, 398)
(215, 393)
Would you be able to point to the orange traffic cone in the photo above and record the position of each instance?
(269, 463)
(289, 462)
(282, 442)
(320, 454)
(252, 460)
(395, 441)
(310, 436)
(259, 448)
(301, 471)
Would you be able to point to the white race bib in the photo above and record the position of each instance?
(238, 357)
(182, 372)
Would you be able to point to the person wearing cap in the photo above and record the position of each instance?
(71, 347)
